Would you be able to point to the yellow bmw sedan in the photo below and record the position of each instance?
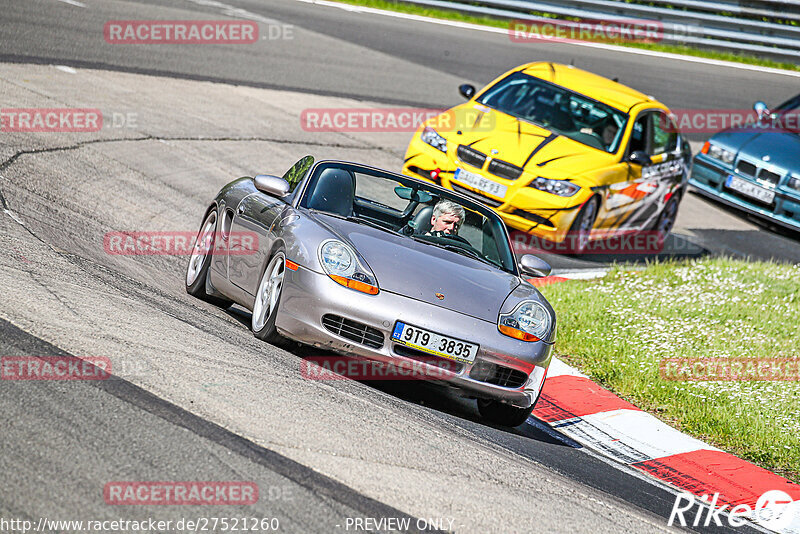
(560, 153)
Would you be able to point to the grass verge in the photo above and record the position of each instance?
(445, 14)
(619, 329)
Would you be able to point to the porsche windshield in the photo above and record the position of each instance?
(409, 208)
(559, 110)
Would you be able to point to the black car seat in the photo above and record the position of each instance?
(334, 192)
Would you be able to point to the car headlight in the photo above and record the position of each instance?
(562, 188)
(341, 264)
(794, 183)
(529, 321)
(430, 136)
(717, 152)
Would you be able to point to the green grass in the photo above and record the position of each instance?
(619, 328)
(445, 14)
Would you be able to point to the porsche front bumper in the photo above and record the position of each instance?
(308, 296)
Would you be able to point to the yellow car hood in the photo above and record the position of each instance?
(538, 150)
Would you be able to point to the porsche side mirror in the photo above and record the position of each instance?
(534, 266)
(466, 90)
(271, 185)
(640, 157)
(761, 109)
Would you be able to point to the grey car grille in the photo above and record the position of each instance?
(471, 156)
(353, 330)
(504, 376)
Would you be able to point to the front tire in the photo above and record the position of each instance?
(503, 414)
(581, 228)
(268, 297)
(200, 261)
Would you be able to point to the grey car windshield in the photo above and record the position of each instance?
(406, 207)
(560, 110)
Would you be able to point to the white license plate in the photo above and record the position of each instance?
(750, 189)
(481, 183)
(433, 343)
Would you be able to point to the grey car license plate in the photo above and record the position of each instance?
(750, 189)
(480, 183)
(434, 343)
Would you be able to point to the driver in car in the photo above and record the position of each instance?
(446, 219)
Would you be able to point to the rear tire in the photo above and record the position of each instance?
(666, 219)
(268, 299)
(200, 261)
(503, 414)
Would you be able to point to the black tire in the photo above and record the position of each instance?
(666, 219)
(200, 260)
(263, 319)
(503, 414)
(582, 226)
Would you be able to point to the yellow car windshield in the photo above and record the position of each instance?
(560, 110)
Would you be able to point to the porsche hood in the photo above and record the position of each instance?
(421, 271)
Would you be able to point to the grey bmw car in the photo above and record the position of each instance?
(352, 259)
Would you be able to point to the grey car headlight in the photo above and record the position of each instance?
(717, 152)
(562, 188)
(794, 183)
(430, 136)
(529, 321)
(341, 264)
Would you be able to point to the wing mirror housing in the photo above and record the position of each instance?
(534, 266)
(761, 109)
(640, 157)
(271, 185)
(466, 90)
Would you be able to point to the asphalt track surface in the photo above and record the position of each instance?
(196, 397)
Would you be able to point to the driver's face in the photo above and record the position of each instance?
(446, 223)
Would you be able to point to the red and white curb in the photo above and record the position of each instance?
(589, 414)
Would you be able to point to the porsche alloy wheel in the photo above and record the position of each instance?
(268, 298)
(200, 260)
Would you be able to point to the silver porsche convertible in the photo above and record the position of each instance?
(384, 268)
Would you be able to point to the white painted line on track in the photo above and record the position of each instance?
(72, 3)
(64, 68)
(490, 29)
